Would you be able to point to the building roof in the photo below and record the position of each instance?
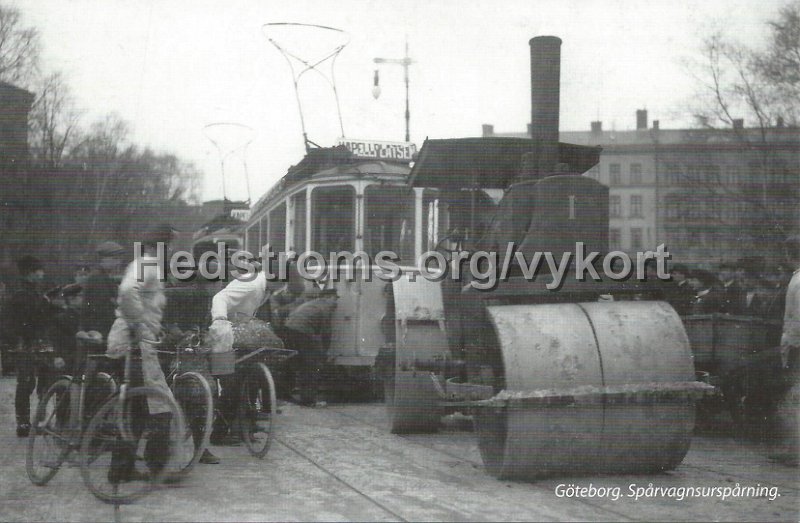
(647, 138)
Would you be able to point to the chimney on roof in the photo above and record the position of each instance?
(655, 125)
(779, 123)
(738, 123)
(641, 119)
(597, 127)
(487, 130)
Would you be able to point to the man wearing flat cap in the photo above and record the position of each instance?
(100, 293)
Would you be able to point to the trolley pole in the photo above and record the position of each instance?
(376, 90)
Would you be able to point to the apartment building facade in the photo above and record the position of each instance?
(709, 195)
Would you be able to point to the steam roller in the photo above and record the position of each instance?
(577, 376)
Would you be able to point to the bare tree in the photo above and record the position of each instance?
(740, 84)
(19, 47)
(780, 63)
(53, 120)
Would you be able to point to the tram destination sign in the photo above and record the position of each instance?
(376, 150)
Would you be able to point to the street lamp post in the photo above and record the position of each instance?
(376, 89)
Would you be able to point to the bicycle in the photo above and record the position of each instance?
(193, 393)
(257, 399)
(124, 426)
(60, 418)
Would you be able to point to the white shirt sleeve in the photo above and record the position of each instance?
(239, 296)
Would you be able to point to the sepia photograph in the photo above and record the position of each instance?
(444, 260)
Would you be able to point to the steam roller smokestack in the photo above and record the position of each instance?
(545, 92)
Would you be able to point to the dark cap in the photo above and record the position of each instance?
(109, 249)
(162, 233)
(705, 278)
(29, 264)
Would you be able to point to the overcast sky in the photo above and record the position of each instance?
(172, 67)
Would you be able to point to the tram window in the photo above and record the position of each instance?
(389, 221)
(299, 237)
(455, 216)
(252, 238)
(333, 219)
(277, 231)
(262, 232)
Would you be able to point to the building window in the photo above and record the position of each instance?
(614, 239)
(671, 174)
(712, 175)
(615, 206)
(636, 206)
(614, 174)
(636, 173)
(636, 238)
(732, 175)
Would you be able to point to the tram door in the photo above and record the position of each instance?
(383, 223)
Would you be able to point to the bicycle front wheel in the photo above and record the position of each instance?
(193, 394)
(48, 443)
(126, 451)
(257, 409)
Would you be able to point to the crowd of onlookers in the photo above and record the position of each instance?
(744, 288)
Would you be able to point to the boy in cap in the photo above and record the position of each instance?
(28, 314)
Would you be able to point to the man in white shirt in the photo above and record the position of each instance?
(140, 306)
(240, 300)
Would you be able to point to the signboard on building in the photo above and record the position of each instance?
(377, 150)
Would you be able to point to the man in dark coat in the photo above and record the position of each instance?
(679, 294)
(28, 312)
(708, 298)
(308, 330)
(100, 292)
(734, 298)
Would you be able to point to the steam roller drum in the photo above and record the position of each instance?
(589, 388)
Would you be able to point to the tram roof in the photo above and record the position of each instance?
(332, 161)
(489, 163)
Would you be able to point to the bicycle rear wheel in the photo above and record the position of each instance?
(125, 452)
(193, 394)
(48, 443)
(257, 409)
(99, 388)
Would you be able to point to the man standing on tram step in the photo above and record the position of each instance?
(100, 291)
(140, 307)
(307, 330)
(29, 313)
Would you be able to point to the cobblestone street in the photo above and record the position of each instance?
(341, 464)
